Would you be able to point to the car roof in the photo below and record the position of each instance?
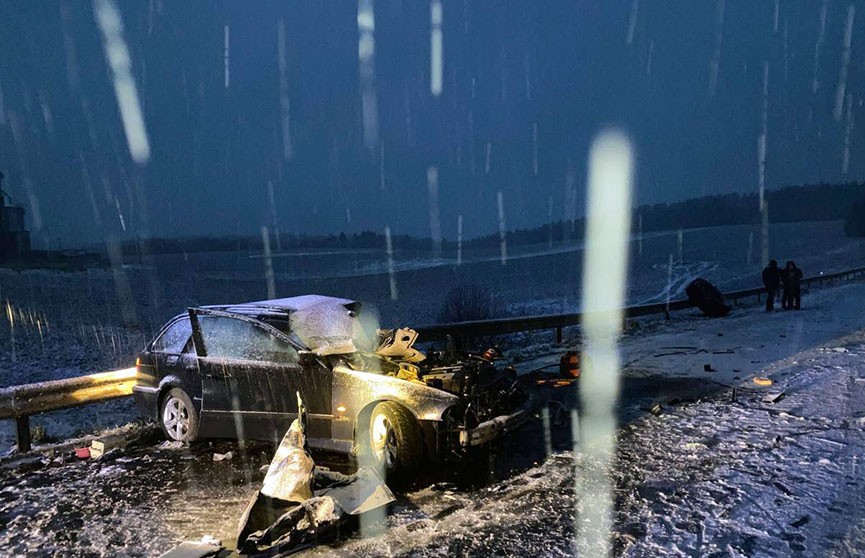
(284, 306)
(300, 302)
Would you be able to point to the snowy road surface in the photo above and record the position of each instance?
(711, 476)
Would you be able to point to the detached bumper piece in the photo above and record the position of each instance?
(493, 428)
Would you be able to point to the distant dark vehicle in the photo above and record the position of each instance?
(708, 298)
(235, 371)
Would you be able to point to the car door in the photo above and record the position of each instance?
(251, 375)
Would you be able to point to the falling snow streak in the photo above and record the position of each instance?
(381, 167)
(459, 240)
(436, 47)
(268, 263)
(432, 178)
(764, 131)
(503, 239)
(366, 59)
(394, 294)
(274, 222)
(72, 74)
(632, 21)
(750, 253)
(487, 156)
(776, 14)
(225, 54)
(570, 202)
(848, 130)
(821, 35)
(669, 283)
(18, 140)
(284, 101)
(840, 91)
(2, 107)
(88, 186)
(605, 269)
(715, 63)
(765, 232)
(650, 57)
(120, 63)
(535, 148)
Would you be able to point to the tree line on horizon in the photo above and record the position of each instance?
(815, 202)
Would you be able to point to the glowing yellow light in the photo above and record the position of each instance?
(340, 409)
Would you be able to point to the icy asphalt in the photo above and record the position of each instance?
(713, 475)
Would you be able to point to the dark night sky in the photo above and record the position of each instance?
(565, 65)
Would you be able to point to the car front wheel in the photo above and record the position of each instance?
(395, 445)
(177, 416)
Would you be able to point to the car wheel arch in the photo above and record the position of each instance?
(166, 385)
(365, 414)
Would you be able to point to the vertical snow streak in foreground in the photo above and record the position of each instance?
(821, 34)
(268, 263)
(632, 21)
(2, 107)
(848, 130)
(284, 101)
(225, 53)
(436, 57)
(764, 133)
(765, 229)
(394, 294)
(605, 271)
(459, 240)
(117, 55)
(503, 240)
(535, 148)
(669, 283)
(435, 226)
(840, 92)
(715, 63)
(366, 57)
(761, 164)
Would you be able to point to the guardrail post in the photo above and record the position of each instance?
(559, 335)
(22, 433)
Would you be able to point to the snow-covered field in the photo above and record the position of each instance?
(719, 473)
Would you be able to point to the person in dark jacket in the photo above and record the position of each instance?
(792, 279)
(772, 280)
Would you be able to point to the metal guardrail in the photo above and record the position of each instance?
(461, 331)
(19, 402)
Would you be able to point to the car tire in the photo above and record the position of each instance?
(395, 445)
(178, 417)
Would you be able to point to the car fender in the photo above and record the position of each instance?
(172, 381)
(355, 391)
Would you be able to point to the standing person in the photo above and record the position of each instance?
(772, 280)
(792, 278)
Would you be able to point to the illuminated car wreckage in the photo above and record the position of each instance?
(236, 371)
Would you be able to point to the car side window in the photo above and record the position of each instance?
(174, 339)
(238, 339)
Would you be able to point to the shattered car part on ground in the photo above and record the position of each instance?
(298, 504)
(231, 371)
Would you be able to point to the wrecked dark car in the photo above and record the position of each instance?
(234, 371)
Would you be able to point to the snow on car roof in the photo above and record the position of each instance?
(300, 302)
